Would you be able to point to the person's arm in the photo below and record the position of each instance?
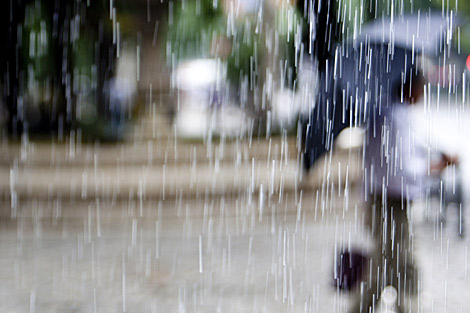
(444, 161)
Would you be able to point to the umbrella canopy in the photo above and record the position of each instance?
(368, 74)
(423, 33)
(356, 83)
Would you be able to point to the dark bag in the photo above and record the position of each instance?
(350, 267)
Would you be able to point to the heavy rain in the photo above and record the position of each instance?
(235, 156)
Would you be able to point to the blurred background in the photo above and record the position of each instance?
(158, 156)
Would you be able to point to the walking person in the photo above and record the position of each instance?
(370, 82)
(394, 174)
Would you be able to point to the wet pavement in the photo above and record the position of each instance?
(263, 242)
(203, 255)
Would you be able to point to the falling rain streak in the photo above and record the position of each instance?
(234, 155)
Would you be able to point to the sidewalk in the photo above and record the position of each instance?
(237, 233)
(206, 255)
(122, 229)
(203, 255)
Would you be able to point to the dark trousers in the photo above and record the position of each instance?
(391, 264)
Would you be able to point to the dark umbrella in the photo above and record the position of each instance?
(367, 73)
(423, 33)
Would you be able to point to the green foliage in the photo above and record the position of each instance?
(244, 57)
(247, 47)
(37, 43)
(291, 27)
(457, 6)
(194, 25)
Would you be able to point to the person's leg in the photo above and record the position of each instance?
(369, 289)
(398, 253)
(391, 262)
(459, 201)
